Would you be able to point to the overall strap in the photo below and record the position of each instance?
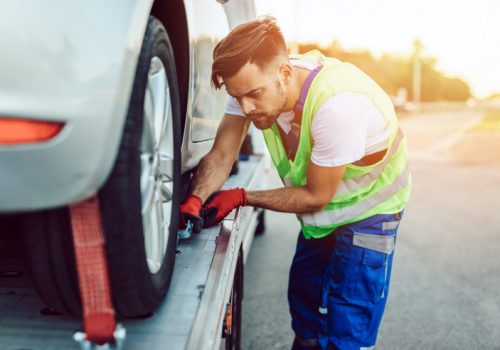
(299, 106)
(293, 137)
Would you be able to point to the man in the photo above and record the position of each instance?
(334, 138)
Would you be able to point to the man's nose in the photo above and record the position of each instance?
(247, 106)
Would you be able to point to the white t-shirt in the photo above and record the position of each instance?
(346, 127)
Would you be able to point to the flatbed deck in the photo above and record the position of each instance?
(192, 314)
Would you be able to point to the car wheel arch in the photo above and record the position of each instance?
(172, 14)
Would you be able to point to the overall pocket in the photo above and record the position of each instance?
(369, 280)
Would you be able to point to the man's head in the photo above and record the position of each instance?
(252, 62)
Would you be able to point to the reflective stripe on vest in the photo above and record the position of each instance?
(351, 185)
(351, 212)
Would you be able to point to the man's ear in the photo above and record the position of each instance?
(286, 71)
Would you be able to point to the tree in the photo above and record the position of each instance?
(393, 72)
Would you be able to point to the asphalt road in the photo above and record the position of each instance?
(445, 291)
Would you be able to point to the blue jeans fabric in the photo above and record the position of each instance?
(338, 290)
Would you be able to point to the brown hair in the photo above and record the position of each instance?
(257, 41)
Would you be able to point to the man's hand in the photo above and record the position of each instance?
(221, 203)
(190, 211)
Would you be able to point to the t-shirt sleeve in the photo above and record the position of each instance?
(339, 130)
(233, 107)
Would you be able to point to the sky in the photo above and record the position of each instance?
(463, 35)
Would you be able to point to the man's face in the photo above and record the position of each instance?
(260, 93)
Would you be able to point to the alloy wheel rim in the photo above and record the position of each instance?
(157, 166)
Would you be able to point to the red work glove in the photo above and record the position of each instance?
(221, 203)
(190, 211)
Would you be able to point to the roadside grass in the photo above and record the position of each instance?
(480, 145)
(489, 123)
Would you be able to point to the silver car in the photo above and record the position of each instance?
(109, 99)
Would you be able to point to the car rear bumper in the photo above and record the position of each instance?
(63, 170)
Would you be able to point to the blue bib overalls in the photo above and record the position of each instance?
(339, 284)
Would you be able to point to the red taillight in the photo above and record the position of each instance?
(15, 131)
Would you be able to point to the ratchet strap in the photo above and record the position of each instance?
(88, 238)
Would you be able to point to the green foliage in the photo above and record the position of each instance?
(393, 72)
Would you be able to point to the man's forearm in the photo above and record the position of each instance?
(289, 200)
(210, 176)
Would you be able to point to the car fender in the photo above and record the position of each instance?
(72, 62)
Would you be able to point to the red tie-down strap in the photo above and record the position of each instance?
(88, 238)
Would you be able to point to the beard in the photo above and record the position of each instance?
(264, 120)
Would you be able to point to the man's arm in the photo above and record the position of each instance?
(214, 168)
(322, 183)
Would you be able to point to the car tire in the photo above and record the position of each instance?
(136, 202)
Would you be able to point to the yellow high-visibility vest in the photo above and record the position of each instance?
(364, 191)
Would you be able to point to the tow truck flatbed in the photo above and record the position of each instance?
(192, 315)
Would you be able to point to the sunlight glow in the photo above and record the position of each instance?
(462, 35)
